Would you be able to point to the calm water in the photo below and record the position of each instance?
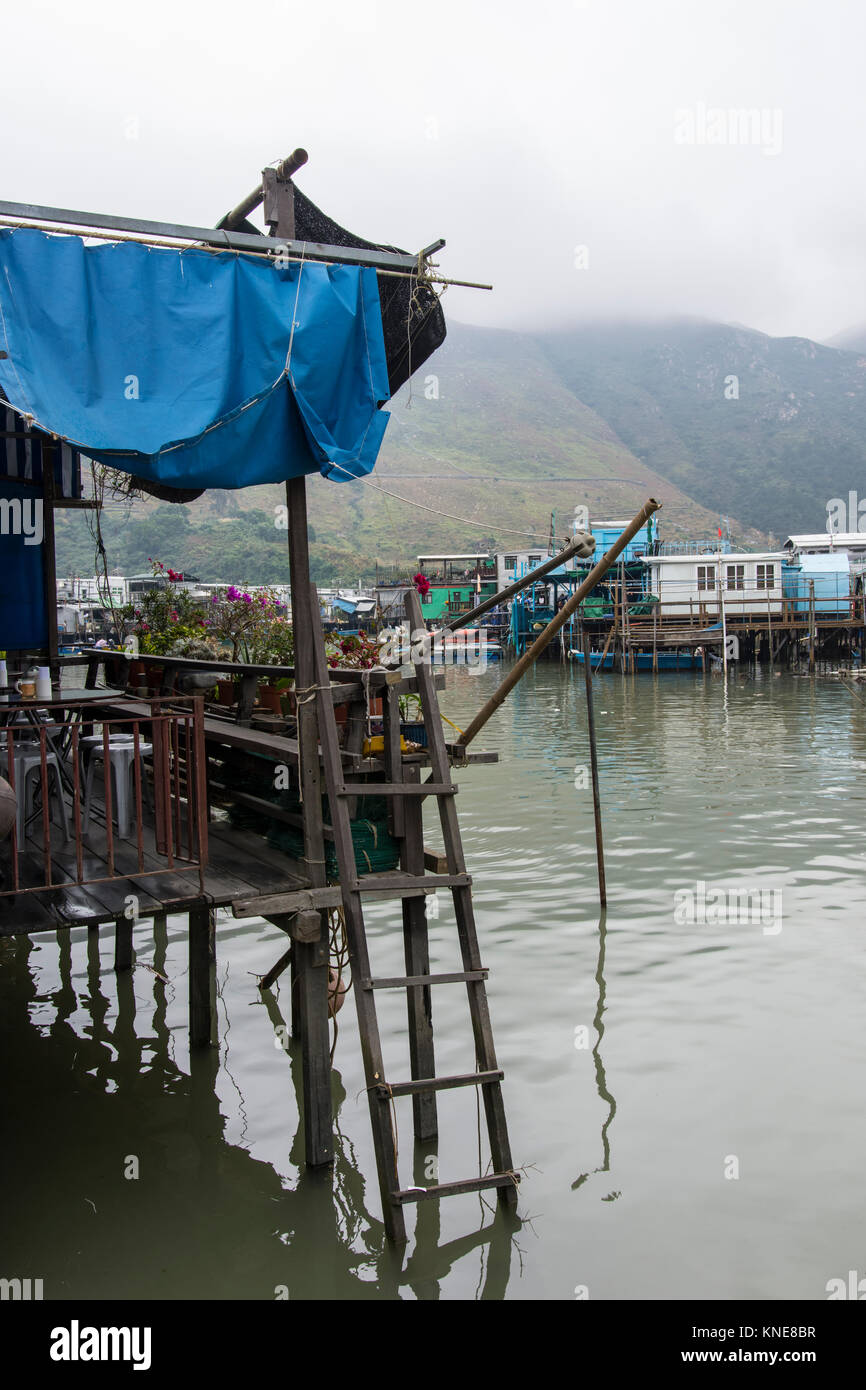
(649, 1058)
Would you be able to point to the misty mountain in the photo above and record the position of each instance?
(766, 429)
(501, 430)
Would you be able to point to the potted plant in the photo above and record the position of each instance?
(162, 617)
(412, 720)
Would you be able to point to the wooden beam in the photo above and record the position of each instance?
(202, 976)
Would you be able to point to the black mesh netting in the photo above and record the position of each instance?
(412, 317)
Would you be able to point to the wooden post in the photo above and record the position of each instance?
(123, 943)
(604, 650)
(593, 761)
(724, 620)
(310, 959)
(812, 625)
(623, 621)
(770, 635)
(417, 953)
(655, 651)
(202, 976)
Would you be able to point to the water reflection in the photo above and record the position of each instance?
(600, 1077)
(203, 1218)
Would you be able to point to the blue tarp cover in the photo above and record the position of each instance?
(183, 366)
(22, 584)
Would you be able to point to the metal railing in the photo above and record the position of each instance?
(64, 833)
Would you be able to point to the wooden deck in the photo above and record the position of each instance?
(242, 871)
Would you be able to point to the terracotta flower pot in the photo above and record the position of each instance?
(341, 713)
(154, 677)
(225, 692)
(269, 698)
(375, 704)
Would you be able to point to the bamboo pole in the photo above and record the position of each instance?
(546, 637)
(581, 545)
(593, 762)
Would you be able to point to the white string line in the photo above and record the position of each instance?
(487, 525)
(295, 324)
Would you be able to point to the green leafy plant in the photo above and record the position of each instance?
(411, 709)
(253, 626)
(164, 616)
(361, 651)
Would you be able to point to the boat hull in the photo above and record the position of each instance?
(643, 661)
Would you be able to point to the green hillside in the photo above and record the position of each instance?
(793, 437)
(503, 428)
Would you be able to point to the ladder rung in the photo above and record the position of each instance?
(408, 981)
(440, 1083)
(453, 1189)
(397, 789)
(410, 885)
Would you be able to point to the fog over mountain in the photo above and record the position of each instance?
(590, 158)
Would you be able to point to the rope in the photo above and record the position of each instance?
(288, 365)
(339, 949)
(449, 721)
(450, 516)
(306, 693)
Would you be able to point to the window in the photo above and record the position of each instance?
(706, 577)
(511, 562)
(534, 560)
(736, 576)
(766, 577)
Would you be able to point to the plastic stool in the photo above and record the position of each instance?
(121, 751)
(28, 760)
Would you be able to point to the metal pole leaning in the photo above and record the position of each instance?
(593, 762)
(546, 637)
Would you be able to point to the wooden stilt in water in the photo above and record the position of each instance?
(655, 638)
(202, 976)
(309, 958)
(123, 943)
(812, 626)
(593, 760)
(770, 635)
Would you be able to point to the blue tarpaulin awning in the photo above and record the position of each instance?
(190, 368)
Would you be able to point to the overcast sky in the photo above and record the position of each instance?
(591, 158)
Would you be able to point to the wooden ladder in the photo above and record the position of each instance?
(405, 793)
